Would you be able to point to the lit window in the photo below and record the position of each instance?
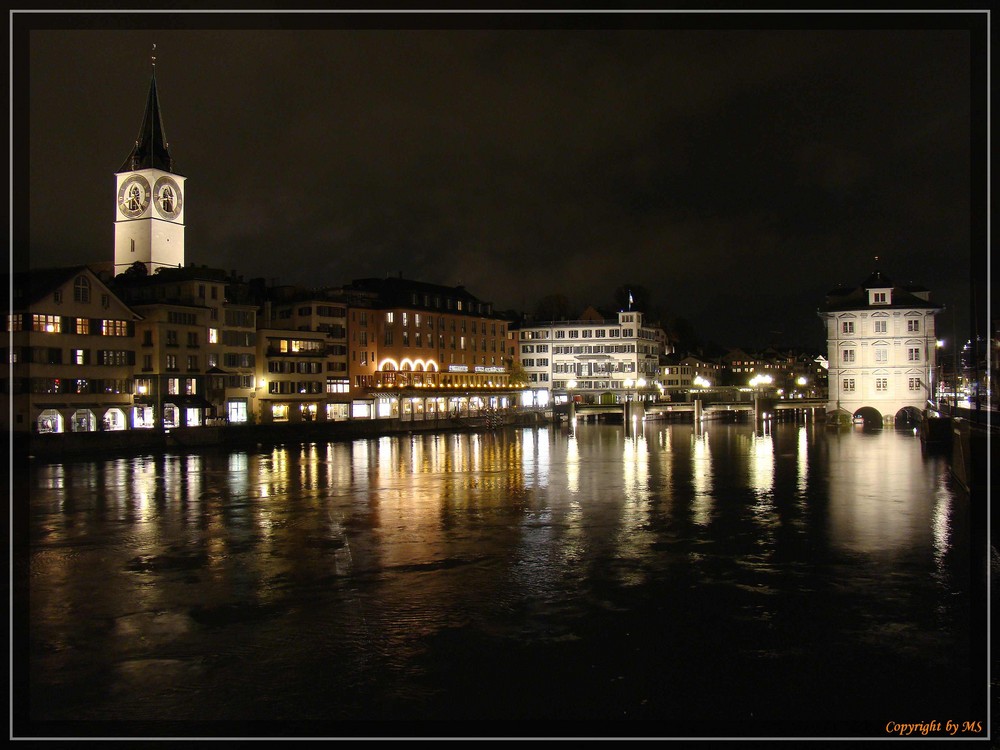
(46, 323)
(114, 328)
(213, 335)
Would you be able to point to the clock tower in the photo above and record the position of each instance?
(149, 198)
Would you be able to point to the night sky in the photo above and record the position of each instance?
(735, 169)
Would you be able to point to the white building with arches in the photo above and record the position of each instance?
(882, 350)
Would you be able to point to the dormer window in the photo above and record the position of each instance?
(880, 297)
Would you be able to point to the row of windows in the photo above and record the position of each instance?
(291, 386)
(338, 385)
(594, 368)
(881, 384)
(295, 346)
(428, 322)
(595, 349)
(41, 355)
(540, 362)
(241, 318)
(457, 304)
(879, 326)
(882, 355)
(323, 311)
(305, 368)
(182, 318)
(73, 385)
(235, 359)
(61, 324)
(171, 338)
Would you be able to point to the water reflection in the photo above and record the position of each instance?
(701, 475)
(352, 568)
(881, 492)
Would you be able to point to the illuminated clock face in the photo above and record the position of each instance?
(167, 198)
(133, 196)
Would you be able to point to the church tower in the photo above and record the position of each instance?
(149, 198)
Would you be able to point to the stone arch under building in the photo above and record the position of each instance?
(869, 417)
(908, 417)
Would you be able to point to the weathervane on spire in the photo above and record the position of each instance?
(153, 55)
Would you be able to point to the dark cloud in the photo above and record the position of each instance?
(739, 173)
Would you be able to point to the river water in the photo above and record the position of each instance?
(717, 581)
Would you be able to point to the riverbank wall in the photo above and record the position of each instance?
(136, 442)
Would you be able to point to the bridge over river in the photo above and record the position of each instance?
(759, 409)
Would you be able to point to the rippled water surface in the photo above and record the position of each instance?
(717, 581)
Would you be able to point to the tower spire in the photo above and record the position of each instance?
(151, 150)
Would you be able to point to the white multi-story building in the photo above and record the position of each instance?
(882, 350)
(594, 358)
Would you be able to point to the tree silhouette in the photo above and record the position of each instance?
(553, 307)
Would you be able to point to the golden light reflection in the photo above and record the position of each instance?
(573, 465)
(665, 460)
(635, 468)
(941, 525)
(762, 478)
(308, 465)
(802, 462)
(192, 488)
(360, 464)
(762, 464)
(701, 478)
(237, 478)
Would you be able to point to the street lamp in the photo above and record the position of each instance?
(936, 387)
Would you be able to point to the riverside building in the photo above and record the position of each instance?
(420, 350)
(882, 351)
(73, 354)
(594, 358)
